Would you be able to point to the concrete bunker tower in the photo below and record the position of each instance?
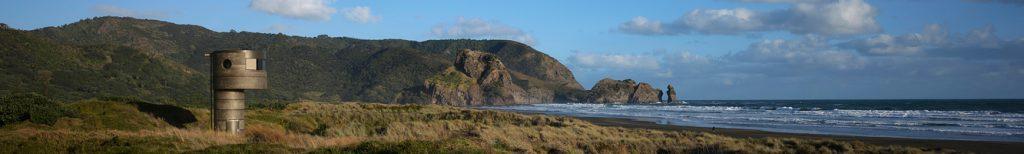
(231, 73)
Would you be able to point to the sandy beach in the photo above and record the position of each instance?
(958, 145)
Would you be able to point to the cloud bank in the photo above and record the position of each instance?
(312, 10)
(931, 63)
(841, 17)
(277, 28)
(936, 41)
(614, 61)
(360, 14)
(119, 11)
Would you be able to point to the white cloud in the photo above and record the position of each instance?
(658, 63)
(314, 10)
(887, 45)
(934, 34)
(837, 18)
(723, 21)
(119, 11)
(841, 17)
(277, 28)
(360, 14)
(810, 52)
(614, 61)
(667, 74)
(641, 25)
(686, 58)
(983, 37)
(934, 40)
(910, 44)
(479, 29)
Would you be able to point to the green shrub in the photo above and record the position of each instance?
(268, 104)
(111, 115)
(451, 79)
(455, 146)
(31, 107)
(248, 148)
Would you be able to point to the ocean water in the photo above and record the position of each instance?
(982, 120)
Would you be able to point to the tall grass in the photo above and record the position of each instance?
(361, 127)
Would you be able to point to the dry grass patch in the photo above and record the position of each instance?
(31, 140)
(372, 128)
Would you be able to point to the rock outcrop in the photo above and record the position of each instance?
(479, 78)
(644, 94)
(671, 94)
(491, 75)
(661, 94)
(611, 91)
(451, 88)
(622, 91)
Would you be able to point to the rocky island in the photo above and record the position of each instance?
(624, 91)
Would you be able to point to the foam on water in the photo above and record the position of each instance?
(924, 124)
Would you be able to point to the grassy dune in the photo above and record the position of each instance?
(118, 126)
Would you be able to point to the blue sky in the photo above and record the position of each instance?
(709, 49)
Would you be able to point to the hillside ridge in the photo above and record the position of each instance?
(318, 68)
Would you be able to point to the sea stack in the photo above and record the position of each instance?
(661, 94)
(671, 94)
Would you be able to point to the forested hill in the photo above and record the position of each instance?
(163, 62)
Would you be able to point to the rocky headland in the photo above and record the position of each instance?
(479, 78)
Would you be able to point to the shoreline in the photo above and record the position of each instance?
(959, 145)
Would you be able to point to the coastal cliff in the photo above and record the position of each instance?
(477, 78)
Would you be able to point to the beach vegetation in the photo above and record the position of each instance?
(104, 126)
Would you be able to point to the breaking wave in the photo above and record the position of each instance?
(925, 124)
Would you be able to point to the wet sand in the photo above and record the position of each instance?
(958, 145)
